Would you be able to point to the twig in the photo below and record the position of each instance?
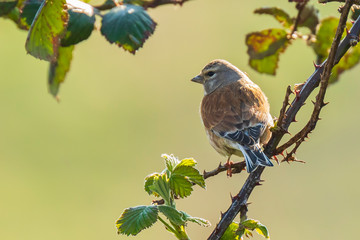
(146, 4)
(300, 7)
(235, 168)
(283, 109)
(254, 178)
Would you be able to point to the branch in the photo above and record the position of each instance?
(240, 200)
(300, 7)
(235, 168)
(146, 4)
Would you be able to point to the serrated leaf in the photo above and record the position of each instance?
(6, 6)
(81, 22)
(172, 214)
(170, 161)
(28, 13)
(309, 18)
(280, 15)
(231, 232)
(264, 49)
(128, 26)
(187, 162)
(190, 173)
(180, 186)
(135, 219)
(59, 68)
(202, 222)
(160, 185)
(46, 30)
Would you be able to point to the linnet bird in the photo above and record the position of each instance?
(235, 113)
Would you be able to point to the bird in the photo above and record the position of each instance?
(235, 114)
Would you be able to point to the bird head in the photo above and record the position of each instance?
(216, 74)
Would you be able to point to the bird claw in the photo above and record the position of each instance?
(228, 165)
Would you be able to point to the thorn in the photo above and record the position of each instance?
(282, 154)
(303, 103)
(347, 31)
(276, 159)
(287, 132)
(297, 93)
(233, 198)
(316, 65)
(258, 183)
(313, 102)
(204, 173)
(319, 119)
(324, 104)
(222, 214)
(352, 21)
(294, 120)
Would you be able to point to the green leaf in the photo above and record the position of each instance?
(280, 15)
(135, 219)
(322, 45)
(309, 18)
(46, 30)
(252, 224)
(160, 186)
(6, 6)
(59, 69)
(325, 36)
(348, 61)
(81, 22)
(28, 13)
(172, 214)
(128, 26)
(170, 161)
(149, 181)
(180, 185)
(356, 12)
(231, 232)
(202, 222)
(264, 49)
(189, 173)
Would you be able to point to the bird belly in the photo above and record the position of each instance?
(223, 146)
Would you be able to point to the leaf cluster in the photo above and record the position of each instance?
(175, 181)
(56, 26)
(265, 47)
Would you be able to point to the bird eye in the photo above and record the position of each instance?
(209, 74)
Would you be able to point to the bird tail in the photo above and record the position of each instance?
(254, 158)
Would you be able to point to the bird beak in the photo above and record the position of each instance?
(198, 79)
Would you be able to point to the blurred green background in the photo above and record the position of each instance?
(68, 169)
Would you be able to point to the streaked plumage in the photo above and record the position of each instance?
(235, 113)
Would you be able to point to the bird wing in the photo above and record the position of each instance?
(237, 113)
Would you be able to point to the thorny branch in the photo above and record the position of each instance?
(320, 76)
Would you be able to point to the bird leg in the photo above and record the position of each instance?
(228, 165)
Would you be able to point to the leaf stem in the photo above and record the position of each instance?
(178, 231)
